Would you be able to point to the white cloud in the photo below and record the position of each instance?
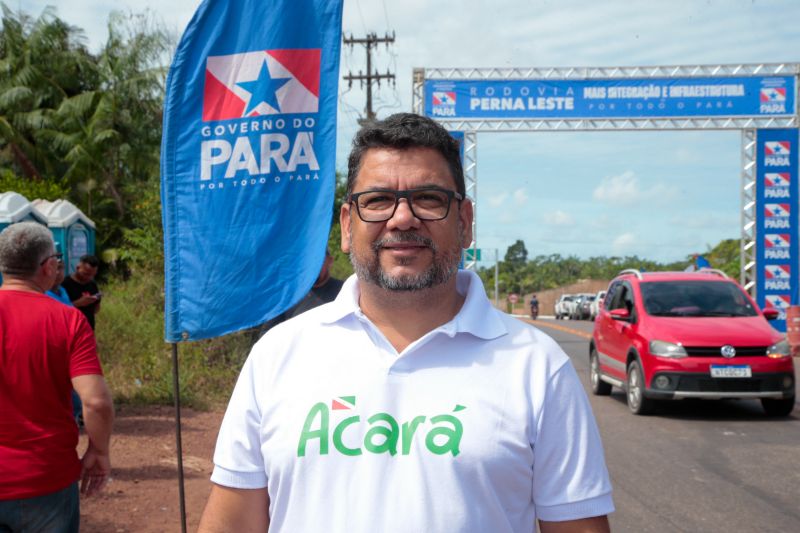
(624, 189)
(520, 197)
(624, 243)
(558, 218)
(498, 199)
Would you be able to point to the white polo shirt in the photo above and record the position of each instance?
(481, 425)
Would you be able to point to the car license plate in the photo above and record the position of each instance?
(731, 371)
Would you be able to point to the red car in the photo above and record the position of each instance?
(673, 335)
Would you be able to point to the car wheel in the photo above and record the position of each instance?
(599, 387)
(777, 407)
(637, 403)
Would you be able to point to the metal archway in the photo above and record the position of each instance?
(749, 98)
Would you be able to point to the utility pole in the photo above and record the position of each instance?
(369, 42)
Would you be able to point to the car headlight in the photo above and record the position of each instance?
(779, 349)
(666, 349)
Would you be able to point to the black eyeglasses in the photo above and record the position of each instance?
(49, 257)
(426, 203)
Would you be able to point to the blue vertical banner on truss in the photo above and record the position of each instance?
(777, 206)
(248, 161)
(459, 136)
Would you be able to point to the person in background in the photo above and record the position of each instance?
(82, 289)
(698, 263)
(408, 403)
(44, 352)
(59, 293)
(534, 307)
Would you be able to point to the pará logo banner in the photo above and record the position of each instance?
(248, 161)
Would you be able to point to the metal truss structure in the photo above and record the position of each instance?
(471, 182)
(585, 73)
(747, 125)
(619, 124)
(747, 252)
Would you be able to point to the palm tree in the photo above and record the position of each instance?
(112, 133)
(42, 62)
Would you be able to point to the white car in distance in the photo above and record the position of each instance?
(565, 306)
(596, 304)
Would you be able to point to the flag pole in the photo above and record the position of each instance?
(176, 391)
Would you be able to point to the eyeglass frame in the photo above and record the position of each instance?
(57, 255)
(407, 195)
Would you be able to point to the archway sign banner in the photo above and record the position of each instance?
(619, 98)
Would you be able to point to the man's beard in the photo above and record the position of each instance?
(443, 266)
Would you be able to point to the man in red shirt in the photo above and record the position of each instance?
(46, 349)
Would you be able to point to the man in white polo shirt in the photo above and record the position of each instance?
(409, 403)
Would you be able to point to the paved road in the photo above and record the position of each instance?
(695, 466)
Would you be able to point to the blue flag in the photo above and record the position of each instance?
(248, 161)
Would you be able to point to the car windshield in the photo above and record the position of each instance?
(695, 299)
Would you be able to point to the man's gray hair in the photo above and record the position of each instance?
(23, 247)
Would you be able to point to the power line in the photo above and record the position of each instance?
(370, 42)
(361, 15)
(385, 13)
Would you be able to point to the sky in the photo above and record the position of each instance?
(659, 195)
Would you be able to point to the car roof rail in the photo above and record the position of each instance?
(631, 271)
(716, 271)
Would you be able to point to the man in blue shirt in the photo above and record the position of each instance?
(57, 291)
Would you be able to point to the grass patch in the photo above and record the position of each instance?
(137, 362)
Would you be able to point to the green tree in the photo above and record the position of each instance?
(42, 62)
(725, 256)
(90, 122)
(109, 136)
(517, 254)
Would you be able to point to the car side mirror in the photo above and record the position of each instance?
(770, 313)
(620, 314)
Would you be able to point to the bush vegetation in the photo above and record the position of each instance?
(137, 361)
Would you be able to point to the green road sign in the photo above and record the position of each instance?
(472, 254)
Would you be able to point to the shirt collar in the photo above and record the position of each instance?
(477, 316)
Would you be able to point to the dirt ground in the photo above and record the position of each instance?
(142, 495)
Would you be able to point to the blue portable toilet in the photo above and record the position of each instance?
(72, 230)
(16, 208)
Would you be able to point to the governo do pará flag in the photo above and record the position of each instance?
(248, 161)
